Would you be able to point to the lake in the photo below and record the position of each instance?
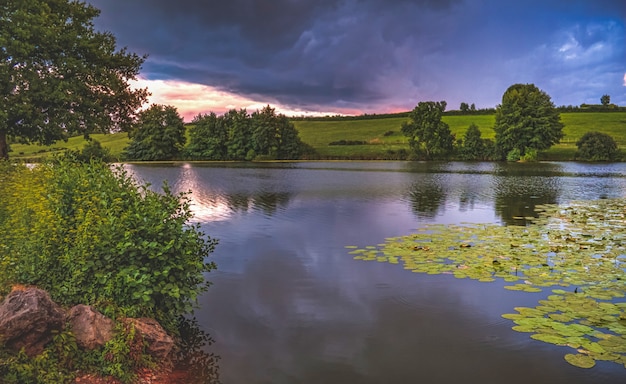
(289, 304)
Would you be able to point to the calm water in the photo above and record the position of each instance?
(290, 305)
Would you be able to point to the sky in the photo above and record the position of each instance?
(318, 57)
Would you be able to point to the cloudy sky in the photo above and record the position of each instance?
(369, 56)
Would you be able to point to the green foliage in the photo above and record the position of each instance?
(526, 119)
(596, 146)
(605, 100)
(123, 354)
(62, 360)
(274, 137)
(88, 234)
(208, 138)
(530, 156)
(513, 155)
(238, 136)
(474, 146)
(159, 135)
(348, 142)
(428, 135)
(93, 150)
(58, 76)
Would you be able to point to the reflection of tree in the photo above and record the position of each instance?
(268, 202)
(427, 196)
(199, 366)
(521, 187)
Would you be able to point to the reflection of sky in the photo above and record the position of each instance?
(291, 305)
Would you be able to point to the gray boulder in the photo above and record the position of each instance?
(91, 328)
(159, 343)
(27, 319)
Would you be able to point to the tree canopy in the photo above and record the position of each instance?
(240, 136)
(596, 146)
(429, 137)
(159, 134)
(59, 76)
(526, 119)
(605, 100)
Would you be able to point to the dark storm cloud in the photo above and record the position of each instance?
(373, 54)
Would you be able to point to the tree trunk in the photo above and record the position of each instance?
(4, 146)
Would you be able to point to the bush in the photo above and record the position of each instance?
(530, 156)
(513, 155)
(348, 142)
(88, 234)
(596, 146)
(93, 150)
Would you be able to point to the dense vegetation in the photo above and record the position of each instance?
(236, 135)
(158, 135)
(88, 234)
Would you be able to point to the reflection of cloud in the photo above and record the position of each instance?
(204, 205)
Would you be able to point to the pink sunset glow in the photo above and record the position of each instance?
(192, 99)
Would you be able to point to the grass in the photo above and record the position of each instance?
(383, 136)
(116, 142)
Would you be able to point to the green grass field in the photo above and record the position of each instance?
(382, 135)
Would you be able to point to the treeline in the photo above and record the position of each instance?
(160, 134)
(591, 108)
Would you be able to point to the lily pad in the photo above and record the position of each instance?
(579, 360)
(579, 250)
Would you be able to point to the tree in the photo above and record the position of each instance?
(60, 77)
(274, 137)
(428, 135)
(239, 145)
(596, 146)
(464, 107)
(159, 134)
(208, 138)
(474, 147)
(526, 119)
(605, 100)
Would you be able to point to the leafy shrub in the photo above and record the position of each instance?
(596, 146)
(90, 234)
(513, 155)
(530, 156)
(93, 150)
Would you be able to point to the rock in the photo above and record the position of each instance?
(27, 318)
(91, 328)
(159, 343)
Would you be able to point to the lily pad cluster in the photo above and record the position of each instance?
(578, 250)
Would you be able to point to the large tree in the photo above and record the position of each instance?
(60, 77)
(526, 119)
(274, 136)
(428, 135)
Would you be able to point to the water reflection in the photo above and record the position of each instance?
(288, 303)
(427, 196)
(516, 197)
(198, 365)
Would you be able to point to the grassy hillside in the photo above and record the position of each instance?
(320, 133)
(382, 135)
(115, 142)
